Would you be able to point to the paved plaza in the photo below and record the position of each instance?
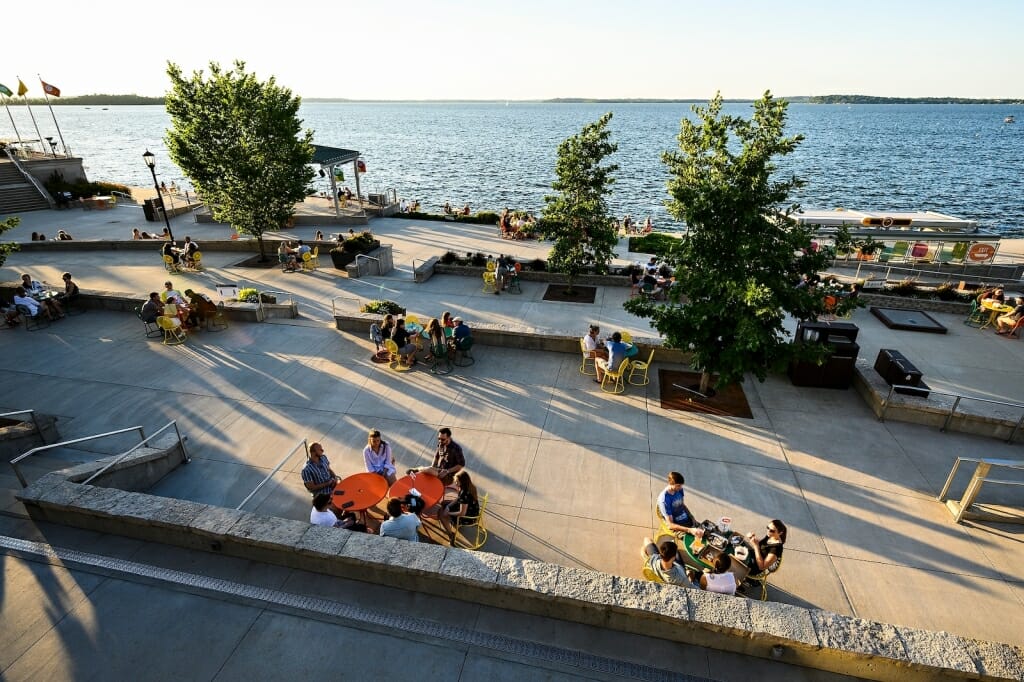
(571, 472)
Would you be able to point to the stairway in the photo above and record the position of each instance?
(34, 468)
(18, 195)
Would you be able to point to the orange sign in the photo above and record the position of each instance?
(979, 253)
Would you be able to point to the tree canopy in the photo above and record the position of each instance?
(577, 216)
(738, 265)
(6, 249)
(240, 141)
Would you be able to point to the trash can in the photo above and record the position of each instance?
(151, 209)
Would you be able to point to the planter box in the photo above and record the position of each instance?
(378, 262)
(536, 276)
(341, 258)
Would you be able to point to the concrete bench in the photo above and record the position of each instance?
(425, 270)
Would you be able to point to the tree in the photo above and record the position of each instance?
(7, 249)
(241, 143)
(739, 263)
(577, 216)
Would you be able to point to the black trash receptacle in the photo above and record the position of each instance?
(151, 209)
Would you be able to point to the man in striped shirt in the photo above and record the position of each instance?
(317, 475)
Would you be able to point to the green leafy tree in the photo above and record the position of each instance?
(10, 247)
(241, 143)
(738, 265)
(577, 216)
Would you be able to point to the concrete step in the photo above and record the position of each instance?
(15, 199)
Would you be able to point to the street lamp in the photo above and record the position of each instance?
(150, 159)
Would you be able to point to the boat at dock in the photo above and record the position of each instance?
(1009, 119)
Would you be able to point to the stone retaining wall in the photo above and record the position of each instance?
(792, 634)
(505, 336)
(243, 245)
(536, 276)
(907, 303)
(122, 302)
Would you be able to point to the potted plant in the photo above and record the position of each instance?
(346, 252)
(382, 307)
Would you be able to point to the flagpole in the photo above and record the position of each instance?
(47, 96)
(10, 116)
(33, 116)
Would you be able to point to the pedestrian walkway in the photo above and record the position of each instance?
(571, 472)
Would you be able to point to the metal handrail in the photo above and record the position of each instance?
(181, 443)
(32, 179)
(363, 255)
(422, 260)
(35, 421)
(979, 478)
(41, 448)
(334, 308)
(956, 403)
(302, 444)
(259, 298)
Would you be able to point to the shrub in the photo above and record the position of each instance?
(478, 259)
(905, 287)
(655, 243)
(81, 188)
(248, 296)
(538, 265)
(450, 258)
(382, 307)
(946, 292)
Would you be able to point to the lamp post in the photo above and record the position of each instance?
(150, 159)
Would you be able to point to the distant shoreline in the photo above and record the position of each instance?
(136, 100)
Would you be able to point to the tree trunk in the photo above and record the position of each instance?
(705, 379)
(263, 254)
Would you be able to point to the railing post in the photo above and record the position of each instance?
(885, 405)
(949, 479)
(973, 488)
(181, 444)
(1013, 434)
(39, 429)
(952, 411)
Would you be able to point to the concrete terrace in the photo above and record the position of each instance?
(571, 472)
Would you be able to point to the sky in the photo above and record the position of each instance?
(532, 49)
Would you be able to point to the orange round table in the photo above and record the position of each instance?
(359, 492)
(430, 487)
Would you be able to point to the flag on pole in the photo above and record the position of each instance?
(22, 88)
(4, 90)
(50, 89)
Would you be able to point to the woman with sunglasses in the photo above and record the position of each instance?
(767, 550)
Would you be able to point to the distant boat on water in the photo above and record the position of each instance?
(1009, 119)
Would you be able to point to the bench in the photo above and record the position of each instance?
(424, 270)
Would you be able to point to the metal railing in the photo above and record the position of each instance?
(181, 443)
(35, 421)
(363, 255)
(911, 390)
(42, 448)
(961, 508)
(31, 178)
(421, 260)
(334, 306)
(261, 313)
(302, 444)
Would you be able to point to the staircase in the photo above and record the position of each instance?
(17, 194)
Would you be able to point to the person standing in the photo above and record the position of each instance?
(378, 457)
(317, 475)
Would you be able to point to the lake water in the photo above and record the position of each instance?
(956, 159)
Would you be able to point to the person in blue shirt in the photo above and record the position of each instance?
(672, 508)
(460, 332)
(616, 355)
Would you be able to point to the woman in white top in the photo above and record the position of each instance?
(721, 581)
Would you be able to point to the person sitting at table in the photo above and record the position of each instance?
(435, 334)
(591, 343)
(35, 236)
(447, 208)
(166, 234)
(387, 327)
(664, 562)
(188, 251)
(169, 250)
(176, 310)
(465, 210)
(169, 291)
(70, 288)
(402, 339)
(319, 236)
(461, 334)
(1006, 323)
(200, 307)
(378, 457)
(992, 296)
(672, 506)
(22, 298)
(36, 290)
(616, 356)
(317, 475)
(301, 249)
(403, 524)
(463, 508)
(286, 256)
(446, 320)
(635, 280)
(448, 460)
(720, 580)
(767, 550)
(322, 515)
(63, 236)
(152, 308)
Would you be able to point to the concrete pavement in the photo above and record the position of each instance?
(571, 472)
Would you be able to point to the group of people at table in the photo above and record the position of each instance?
(609, 354)
(38, 299)
(1005, 317)
(185, 255)
(188, 312)
(707, 555)
(448, 333)
(444, 490)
